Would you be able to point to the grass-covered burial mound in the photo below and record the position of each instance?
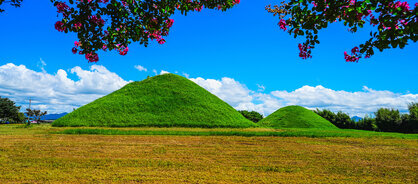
(296, 117)
(162, 101)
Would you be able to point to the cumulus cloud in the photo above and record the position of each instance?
(163, 72)
(355, 103)
(141, 68)
(226, 89)
(57, 92)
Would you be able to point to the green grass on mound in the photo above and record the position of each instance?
(162, 101)
(300, 132)
(296, 117)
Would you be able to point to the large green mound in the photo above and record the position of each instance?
(296, 117)
(162, 101)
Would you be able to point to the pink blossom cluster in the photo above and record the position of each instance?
(78, 25)
(62, 8)
(304, 51)
(92, 57)
(283, 24)
(60, 26)
(123, 50)
(354, 57)
(403, 5)
(96, 20)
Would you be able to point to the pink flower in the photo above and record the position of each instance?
(123, 50)
(77, 25)
(161, 41)
(62, 8)
(92, 57)
(169, 23)
(59, 26)
(74, 50)
(96, 20)
(304, 51)
(76, 43)
(283, 24)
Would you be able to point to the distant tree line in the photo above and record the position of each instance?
(385, 120)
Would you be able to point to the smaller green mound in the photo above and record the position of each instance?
(296, 117)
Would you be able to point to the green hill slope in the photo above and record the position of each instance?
(295, 117)
(162, 101)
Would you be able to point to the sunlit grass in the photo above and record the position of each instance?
(39, 155)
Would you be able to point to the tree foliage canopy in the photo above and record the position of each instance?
(252, 115)
(394, 22)
(15, 3)
(8, 110)
(114, 24)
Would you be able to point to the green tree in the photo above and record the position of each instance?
(8, 110)
(388, 120)
(367, 123)
(410, 121)
(35, 114)
(252, 115)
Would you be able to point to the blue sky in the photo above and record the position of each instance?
(244, 44)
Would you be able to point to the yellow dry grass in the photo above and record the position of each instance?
(34, 156)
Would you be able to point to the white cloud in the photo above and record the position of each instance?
(41, 64)
(355, 103)
(261, 88)
(57, 93)
(186, 75)
(141, 68)
(226, 89)
(60, 93)
(155, 72)
(163, 72)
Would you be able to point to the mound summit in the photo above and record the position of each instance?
(296, 117)
(165, 100)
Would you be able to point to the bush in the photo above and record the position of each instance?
(252, 115)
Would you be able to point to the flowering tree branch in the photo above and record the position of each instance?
(395, 23)
(114, 24)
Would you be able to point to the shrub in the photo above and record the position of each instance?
(252, 115)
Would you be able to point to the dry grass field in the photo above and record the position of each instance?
(34, 155)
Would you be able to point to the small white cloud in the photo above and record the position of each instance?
(141, 68)
(163, 72)
(41, 64)
(186, 75)
(155, 71)
(261, 88)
